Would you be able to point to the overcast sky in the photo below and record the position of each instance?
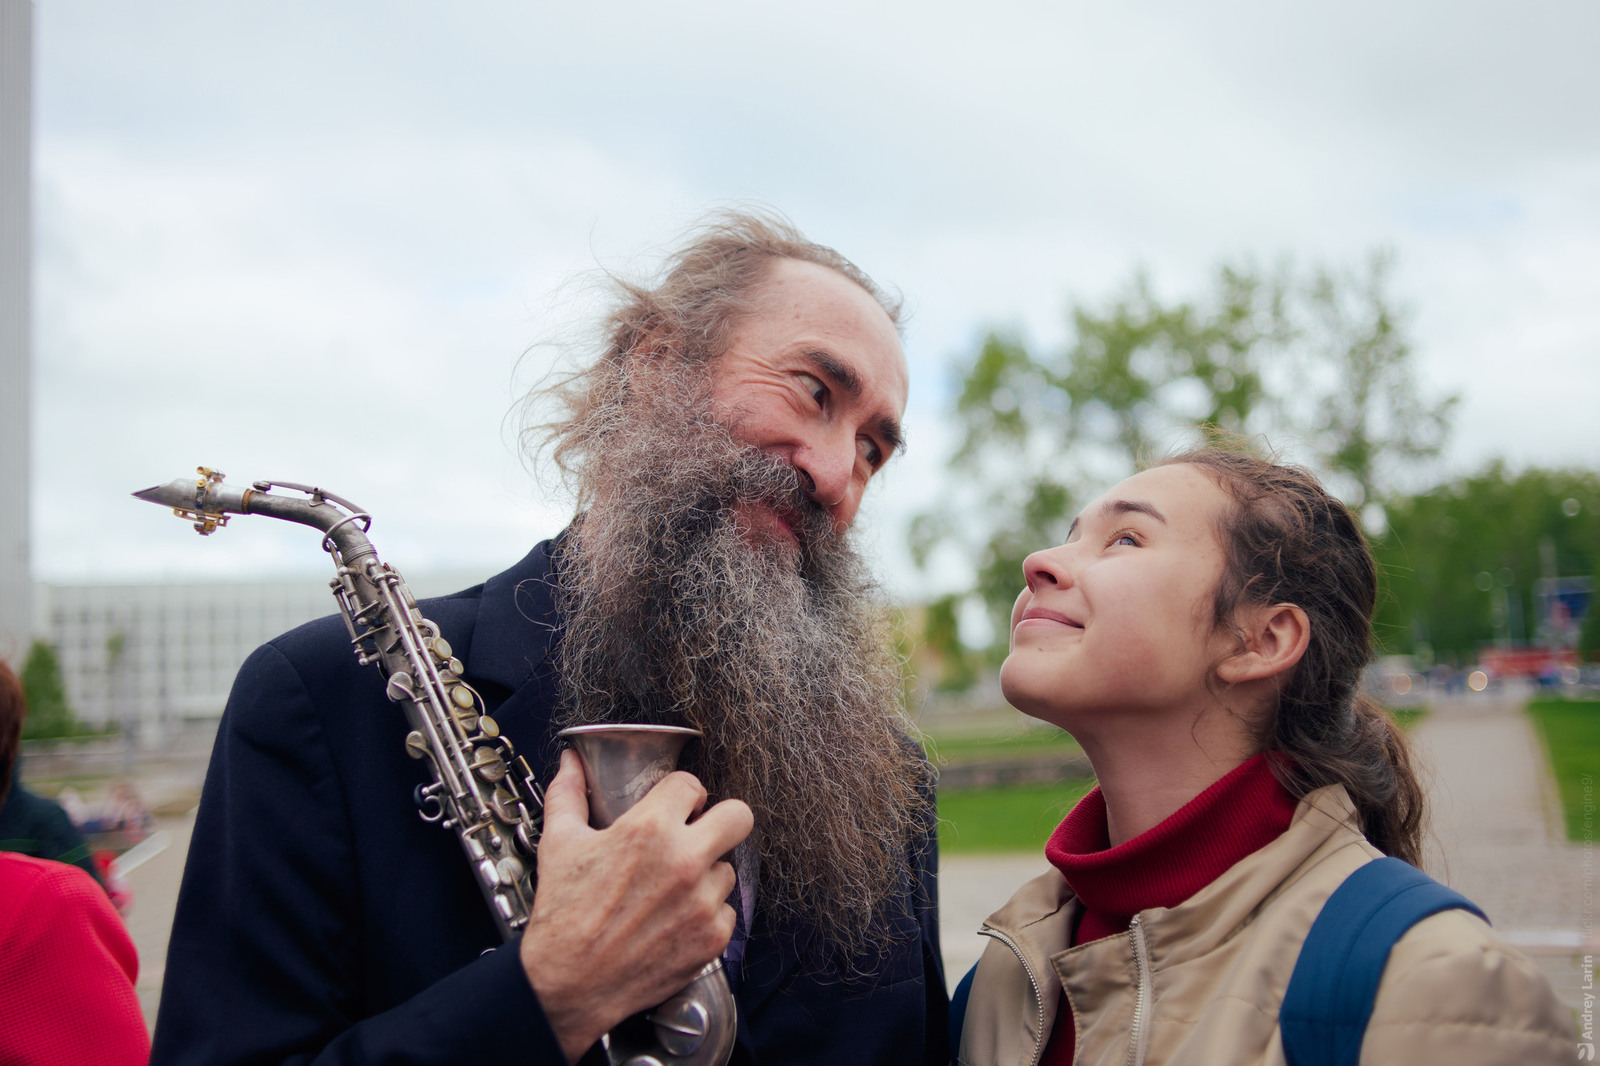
(313, 241)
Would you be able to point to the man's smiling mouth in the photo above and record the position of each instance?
(766, 522)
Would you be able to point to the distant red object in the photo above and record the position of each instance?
(1526, 661)
(121, 895)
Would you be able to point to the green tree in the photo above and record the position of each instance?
(1368, 418)
(1043, 430)
(1453, 553)
(49, 715)
(941, 638)
(1589, 636)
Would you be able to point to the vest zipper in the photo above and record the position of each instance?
(1038, 996)
(1138, 1032)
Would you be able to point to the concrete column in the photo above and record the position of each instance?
(16, 325)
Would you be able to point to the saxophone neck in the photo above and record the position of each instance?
(208, 500)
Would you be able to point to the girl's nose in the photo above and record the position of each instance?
(1046, 569)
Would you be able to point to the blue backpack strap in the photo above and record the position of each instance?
(958, 1010)
(1335, 980)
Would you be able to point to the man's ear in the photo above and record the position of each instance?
(1275, 639)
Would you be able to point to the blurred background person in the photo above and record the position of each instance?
(30, 824)
(67, 964)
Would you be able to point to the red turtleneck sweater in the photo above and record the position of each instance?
(1234, 817)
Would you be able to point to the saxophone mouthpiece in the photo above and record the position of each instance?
(179, 493)
(200, 500)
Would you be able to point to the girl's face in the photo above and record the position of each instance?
(1115, 626)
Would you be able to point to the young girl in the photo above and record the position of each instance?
(1201, 634)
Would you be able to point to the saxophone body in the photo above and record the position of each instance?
(480, 788)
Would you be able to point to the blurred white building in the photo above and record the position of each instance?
(16, 324)
(151, 658)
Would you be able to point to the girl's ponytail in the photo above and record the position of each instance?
(1372, 760)
(1287, 540)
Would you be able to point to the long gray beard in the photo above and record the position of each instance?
(782, 658)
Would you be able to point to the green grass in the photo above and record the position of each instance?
(954, 749)
(1570, 730)
(1020, 818)
(1017, 818)
(1408, 717)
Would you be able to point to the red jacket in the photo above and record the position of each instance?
(67, 970)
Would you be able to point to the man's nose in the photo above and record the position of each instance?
(826, 470)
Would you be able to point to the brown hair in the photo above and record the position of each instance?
(1286, 540)
(13, 709)
(689, 312)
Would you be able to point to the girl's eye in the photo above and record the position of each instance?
(1126, 538)
(815, 388)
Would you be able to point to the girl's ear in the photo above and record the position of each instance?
(1275, 638)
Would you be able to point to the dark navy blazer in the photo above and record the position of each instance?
(321, 920)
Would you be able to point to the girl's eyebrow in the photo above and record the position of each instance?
(1112, 508)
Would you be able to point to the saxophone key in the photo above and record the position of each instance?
(488, 764)
(429, 806)
(399, 688)
(467, 721)
(529, 839)
(511, 871)
(681, 1025)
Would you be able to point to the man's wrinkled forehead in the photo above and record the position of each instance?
(871, 361)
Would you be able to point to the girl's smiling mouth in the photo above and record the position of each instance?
(1044, 614)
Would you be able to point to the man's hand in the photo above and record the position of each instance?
(623, 917)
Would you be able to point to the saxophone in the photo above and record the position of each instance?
(480, 787)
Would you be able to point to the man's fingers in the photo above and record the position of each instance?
(724, 825)
(566, 800)
(678, 795)
(669, 805)
(722, 876)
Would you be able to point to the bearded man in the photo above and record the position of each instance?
(719, 448)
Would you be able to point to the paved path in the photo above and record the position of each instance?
(972, 887)
(1497, 833)
(155, 893)
(1497, 838)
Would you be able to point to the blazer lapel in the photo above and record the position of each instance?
(516, 627)
(517, 621)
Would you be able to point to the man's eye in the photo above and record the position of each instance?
(868, 449)
(817, 390)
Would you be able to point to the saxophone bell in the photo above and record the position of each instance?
(696, 1026)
